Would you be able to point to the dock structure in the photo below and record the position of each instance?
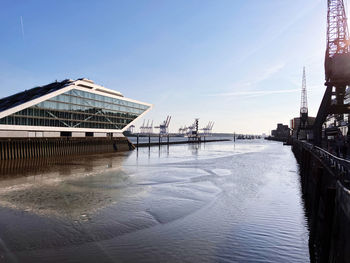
(24, 148)
(168, 142)
(325, 181)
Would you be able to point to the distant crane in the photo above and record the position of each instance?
(146, 128)
(303, 107)
(164, 126)
(208, 129)
(142, 127)
(337, 66)
(183, 130)
(192, 130)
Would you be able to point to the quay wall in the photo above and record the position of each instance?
(277, 139)
(24, 148)
(325, 187)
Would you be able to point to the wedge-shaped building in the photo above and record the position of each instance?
(77, 108)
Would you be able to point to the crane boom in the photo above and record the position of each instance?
(337, 39)
(303, 103)
(337, 29)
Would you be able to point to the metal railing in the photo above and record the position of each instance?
(340, 166)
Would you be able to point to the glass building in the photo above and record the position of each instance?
(68, 108)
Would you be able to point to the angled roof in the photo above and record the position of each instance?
(29, 98)
(31, 94)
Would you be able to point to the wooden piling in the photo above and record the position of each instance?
(26, 148)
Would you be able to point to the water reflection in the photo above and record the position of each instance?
(320, 217)
(160, 151)
(194, 148)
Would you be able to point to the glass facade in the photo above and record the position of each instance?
(78, 109)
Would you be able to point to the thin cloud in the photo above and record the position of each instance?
(254, 93)
(22, 27)
(264, 75)
(270, 72)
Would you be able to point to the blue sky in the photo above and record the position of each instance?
(237, 63)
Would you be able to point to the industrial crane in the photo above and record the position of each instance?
(164, 127)
(146, 128)
(142, 128)
(303, 125)
(192, 130)
(208, 129)
(183, 130)
(337, 66)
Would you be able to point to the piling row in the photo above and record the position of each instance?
(327, 200)
(13, 149)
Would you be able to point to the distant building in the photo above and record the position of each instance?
(295, 123)
(339, 121)
(282, 132)
(76, 108)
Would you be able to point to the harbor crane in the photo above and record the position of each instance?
(183, 130)
(208, 129)
(303, 125)
(337, 66)
(146, 128)
(192, 130)
(164, 126)
(142, 127)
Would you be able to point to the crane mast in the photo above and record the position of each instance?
(337, 67)
(303, 103)
(337, 36)
(303, 124)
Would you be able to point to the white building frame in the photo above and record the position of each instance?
(83, 85)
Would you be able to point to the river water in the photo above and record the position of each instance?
(213, 202)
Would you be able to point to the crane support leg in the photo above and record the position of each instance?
(322, 115)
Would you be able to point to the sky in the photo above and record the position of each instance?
(237, 63)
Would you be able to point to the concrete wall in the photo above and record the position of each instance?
(36, 134)
(78, 134)
(100, 134)
(10, 134)
(52, 134)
